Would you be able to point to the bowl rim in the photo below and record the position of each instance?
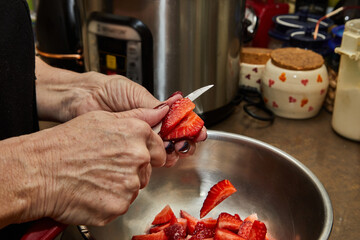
(328, 223)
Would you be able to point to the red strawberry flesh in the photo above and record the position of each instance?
(189, 127)
(177, 112)
(218, 193)
(164, 216)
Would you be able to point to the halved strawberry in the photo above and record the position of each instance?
(175, 232)
(223, 234)
(158, 228)
(229, 222)
(177, 112)
(218, 193)
(258, 231)
(203, 231)
(153, 236)
(189, 127)
(209, 222)
(245, 229)
(251, 217)
(164, 216)
(191, 221)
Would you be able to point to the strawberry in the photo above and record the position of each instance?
(218, 193)
(191, 221)
(229, 222)
(177, 112)
(245, 229)
(258, 231)
(164, 216)
(158, 228)
(209, 222)
(203, 231)
(183, 222)
(153, 236)
(175, 232)
(223, 234)
(251, 217)
(189, 127)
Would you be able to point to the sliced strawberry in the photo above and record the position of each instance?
(158, 228)
(251, 217)
(203, 231)
(223, 234)
(175, 232)
(191, 221)
(183, 222)
(218, 193)
(153, 236)
(209, 222)
(245, 229)
(164, 216)
(229, 222)
(189, 127)
(177, 112)
(258, 231)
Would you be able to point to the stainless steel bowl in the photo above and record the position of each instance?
(285, 194)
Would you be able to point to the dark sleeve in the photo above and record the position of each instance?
(18, 114)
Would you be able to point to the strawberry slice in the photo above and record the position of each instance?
(153, 236)
(158, 228)
(177, 112)
(164, 216)
(258, 231)
(203, 231)
(175, 231)
(245, 229)
(191, 221)
(223, 234)
(189, 127)
(218, 193)
(229, 222)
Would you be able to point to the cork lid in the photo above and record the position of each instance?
(296, 59)
(253, 55)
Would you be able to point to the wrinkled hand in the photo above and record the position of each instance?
(96, 164)
(116, 93)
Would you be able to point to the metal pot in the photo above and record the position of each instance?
(285, 194)
(166, 46)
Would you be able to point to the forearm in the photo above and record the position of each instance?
(58, 90)
(19, 176)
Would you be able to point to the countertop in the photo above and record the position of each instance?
(333, 159)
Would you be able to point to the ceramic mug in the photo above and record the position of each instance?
(296, 94)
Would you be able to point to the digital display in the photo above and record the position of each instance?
(112, 55)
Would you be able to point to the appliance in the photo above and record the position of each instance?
(164, 45)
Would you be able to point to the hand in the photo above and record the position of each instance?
(92, 167)
(63, 95)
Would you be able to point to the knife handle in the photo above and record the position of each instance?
(44, 229)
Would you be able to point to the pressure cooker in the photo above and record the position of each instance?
(164, 45)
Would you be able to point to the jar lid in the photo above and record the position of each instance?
(304, 38)
(300, 20)
(253, 55)
(296, 59)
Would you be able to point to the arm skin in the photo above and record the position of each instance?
(89, 169)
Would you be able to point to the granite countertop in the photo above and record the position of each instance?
(333, 159)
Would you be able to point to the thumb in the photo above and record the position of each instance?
(149, 115)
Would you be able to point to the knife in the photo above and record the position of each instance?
(192, 96)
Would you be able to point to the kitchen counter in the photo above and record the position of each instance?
(333, 159)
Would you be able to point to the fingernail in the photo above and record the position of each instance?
(175, 93)
(170, 148)
(185, 148)
(160, 106)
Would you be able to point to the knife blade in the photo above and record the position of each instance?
(192, 96)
